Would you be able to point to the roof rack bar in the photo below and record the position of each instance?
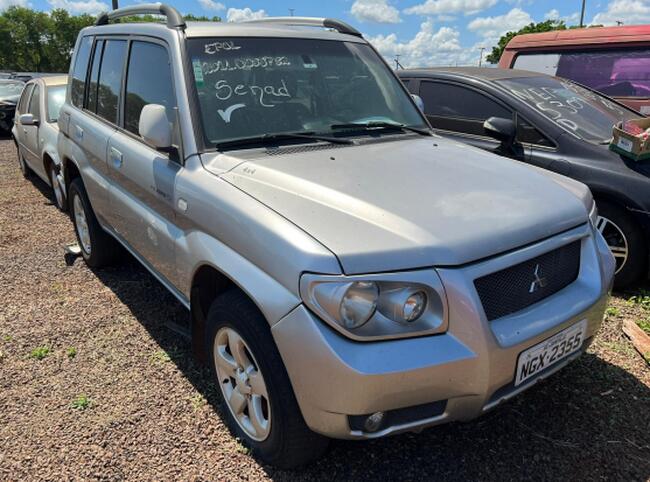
(174, 19)
(337, 25)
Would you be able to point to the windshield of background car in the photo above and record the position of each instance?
(55, 99)
(585, 114)
(248, 87)
(11, 89)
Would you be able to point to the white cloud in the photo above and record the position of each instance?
(375, 11)
(212, 5)
(427, 48)
(92, 7)
(243, 14)
(627, 11)
(492, 28)
(445, 7)
(4, 4)
(554, 14)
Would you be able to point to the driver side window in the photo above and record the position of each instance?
(459, 109)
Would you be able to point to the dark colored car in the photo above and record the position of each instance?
(554, 124)
(10, 91)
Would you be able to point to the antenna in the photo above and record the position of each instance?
(582, 14)
(480, 59)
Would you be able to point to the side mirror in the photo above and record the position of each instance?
(155, 128)
(418, 101)
(28, 120)
(503, 130)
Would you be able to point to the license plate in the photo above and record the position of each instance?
(550, 351)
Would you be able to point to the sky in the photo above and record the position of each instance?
(421, 32)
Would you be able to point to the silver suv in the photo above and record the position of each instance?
(348, 273)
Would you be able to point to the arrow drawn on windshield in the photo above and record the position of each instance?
(225, 114)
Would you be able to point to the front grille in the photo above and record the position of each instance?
(515, 288)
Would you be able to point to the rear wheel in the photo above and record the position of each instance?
(98, 248)
(261, 408)
(626, 242)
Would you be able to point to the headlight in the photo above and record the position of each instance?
(593, 215)
(394, 305)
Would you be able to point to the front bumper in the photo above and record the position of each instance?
(457, 375)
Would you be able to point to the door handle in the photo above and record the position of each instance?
(116, 158)
(79, 132)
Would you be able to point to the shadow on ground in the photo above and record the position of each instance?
(588, 421)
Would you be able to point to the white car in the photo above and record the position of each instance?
(35, 131)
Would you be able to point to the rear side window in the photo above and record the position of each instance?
(24, 98)
(35, 102)
(55, 99)
(149, 81)
(614, 72)
(110, 79)
(91, 102)
(79, 72)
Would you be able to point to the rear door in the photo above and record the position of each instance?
(142, 178)
(30, 132)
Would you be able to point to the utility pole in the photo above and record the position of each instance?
(291, 11)
(582, 14)
(619, 23)
(397, 64)
(480, 59)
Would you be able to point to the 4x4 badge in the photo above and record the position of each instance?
(538, 282)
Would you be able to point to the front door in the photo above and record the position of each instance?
(142, 178)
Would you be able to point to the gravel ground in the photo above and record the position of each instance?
(115, 394)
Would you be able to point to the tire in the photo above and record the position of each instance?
(627, 242)
(98, 248)
(58, 197)
(286, 442)
(24, 168)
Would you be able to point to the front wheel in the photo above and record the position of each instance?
(57, 190)
(626, 242)
(261, 408)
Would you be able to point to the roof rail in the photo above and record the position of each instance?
(337, 25)
(174, 19)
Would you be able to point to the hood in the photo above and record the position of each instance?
(409, 203)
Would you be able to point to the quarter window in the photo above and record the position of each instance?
(79, 72)
(110, 79)
(149, 81)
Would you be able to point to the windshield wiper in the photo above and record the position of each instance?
(266, 139)
(381, 125)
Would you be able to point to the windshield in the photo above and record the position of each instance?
(249, 87)
(585, 114)
(11, 89)
(55, 98)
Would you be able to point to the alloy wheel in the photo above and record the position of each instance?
(81, 224)
(242, 384)
(615, 239)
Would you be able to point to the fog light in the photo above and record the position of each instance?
(373, 422)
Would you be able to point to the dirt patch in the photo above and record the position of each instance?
(94, 385)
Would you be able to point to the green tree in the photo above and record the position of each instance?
(546, 26)
(33, 41)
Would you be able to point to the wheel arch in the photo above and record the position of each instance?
(209, 281)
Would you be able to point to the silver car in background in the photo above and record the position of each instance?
(36, 131)
(348, 273)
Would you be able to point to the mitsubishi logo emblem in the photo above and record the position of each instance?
(539, 281)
